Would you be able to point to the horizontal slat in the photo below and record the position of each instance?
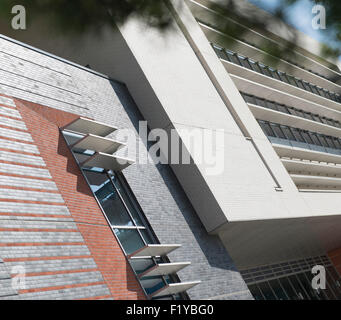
(307, 180)
(293, 121)
(162, 269)
(297, 166)
(279, 85)
(98, 144)
(174, 288)
(83, 125)
(300, 153)
(154, 250)
(107, 161)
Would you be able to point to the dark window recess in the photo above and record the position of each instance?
(244, 62)
(277, 129)
(266, 128)
(307, 137)
(271, 105)
(297, 135)
(288, 133)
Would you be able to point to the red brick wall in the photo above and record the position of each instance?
(335, 257)
(43, 123)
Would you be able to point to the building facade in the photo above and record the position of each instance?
(85, 216)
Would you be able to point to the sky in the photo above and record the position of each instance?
(300, 16)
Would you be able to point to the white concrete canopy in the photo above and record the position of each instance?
(174, 288)
(300, 179)
(295, 166)
(162, 269)
(307, 154)
(107, 161)
(293, 121)
(154, 250)
(83, 125)
(98, 144)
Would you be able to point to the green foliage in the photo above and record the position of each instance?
(81, 16)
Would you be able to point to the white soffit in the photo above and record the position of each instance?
(300, 153)
(107, 161)
(83, 125)
(154, 250)
(98, 144)
(164, 269)
(174, 288)
(316, 180)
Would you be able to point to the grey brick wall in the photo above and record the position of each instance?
(44, 80)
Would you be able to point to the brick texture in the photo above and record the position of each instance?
(50, 223)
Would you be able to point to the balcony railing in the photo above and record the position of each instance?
(281, 134)
(289, 110)
(259, 67)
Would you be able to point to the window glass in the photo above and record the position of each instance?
(292, 80)
(271, 105)
(108, 198)
(274, 74)
(282, 108)
(307, 86)
(316, 294)
(317, 118)
(326, 92)
(266, 128)
(244, 62)
(276, 128)
(249, 99)
(141, 265)
(256, 292)
(299, 113)
(266, 290)
(254, 66)
(324, 120)
(323, 140)
(152, 284)
(278, 290)
(307, 286)
(288, 133)
(220, 52)
(333, 280)
(332, 96)
(298, 288)
(315, 139)
(330, 122)
(129, 202)
(297, 135)
(130, 240)
(313, 88)
(260, 102)
(288, 288)
(292, 111)
(330, 142)
(233, 57)
(320, 91)
(266, 71)
(337, 143)
(307, 137)
(308, 115)
(300, 83)
(147, 236)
